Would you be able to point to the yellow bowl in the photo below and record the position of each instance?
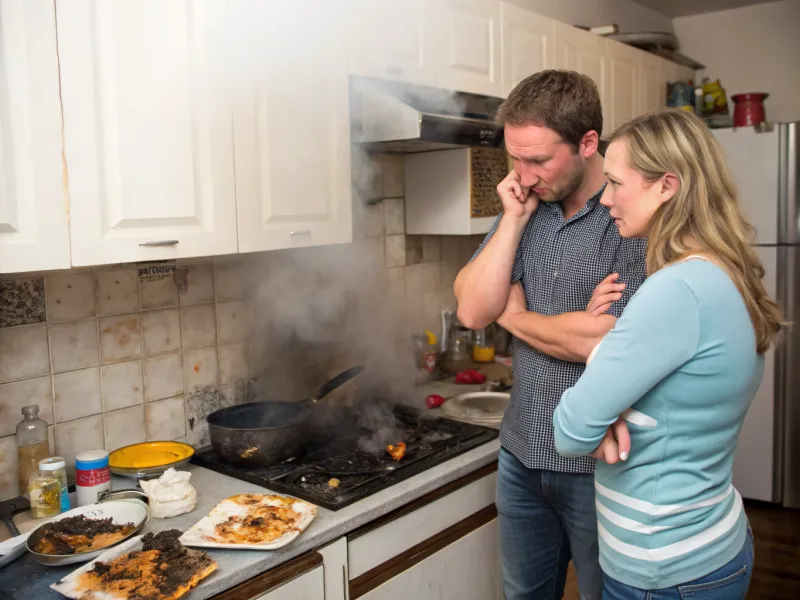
(149, 459)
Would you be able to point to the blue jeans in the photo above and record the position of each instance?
(727, 583)
(545, 518)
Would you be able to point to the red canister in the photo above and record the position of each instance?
(748, 109)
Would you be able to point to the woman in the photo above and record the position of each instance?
(681, 367)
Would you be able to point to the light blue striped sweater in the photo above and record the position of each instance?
(681, 366)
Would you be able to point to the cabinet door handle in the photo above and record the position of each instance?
(160, 243)
(301, 232)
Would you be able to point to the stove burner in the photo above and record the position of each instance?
(429, 442)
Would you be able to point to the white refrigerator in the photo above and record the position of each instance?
(765, 166)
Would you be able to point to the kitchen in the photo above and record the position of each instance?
(145, 290)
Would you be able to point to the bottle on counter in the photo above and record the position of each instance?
(44, 491)
(57, 466)
(92, 476)
(32, 445)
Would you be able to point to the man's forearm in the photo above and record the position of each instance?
(568, 336)
(481, 287)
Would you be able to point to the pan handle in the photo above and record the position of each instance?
(337, 381)
(123, 495)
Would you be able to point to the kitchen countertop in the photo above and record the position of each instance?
(26, 579)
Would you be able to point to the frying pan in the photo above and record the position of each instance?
(260, 434)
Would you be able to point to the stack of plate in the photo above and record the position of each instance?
(481, 408)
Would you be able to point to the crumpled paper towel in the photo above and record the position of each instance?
(171, 494)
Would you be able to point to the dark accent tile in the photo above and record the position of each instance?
(21, 301)
(413, 249)
(238, 393)
(199, 405)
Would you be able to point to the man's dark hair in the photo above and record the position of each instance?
(564, 101)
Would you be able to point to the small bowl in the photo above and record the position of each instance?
(120, 511)
(160, 456)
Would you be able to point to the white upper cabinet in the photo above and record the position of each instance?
(291, 125)
(526, 45)
(34, 224)
(147, 129)
(584, 52)
(676, 72)
(623, 85)
(388, 40)
(465, 39)
(653, 88)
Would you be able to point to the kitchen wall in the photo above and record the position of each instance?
(114, 355)
(751, 49)
(629, 15)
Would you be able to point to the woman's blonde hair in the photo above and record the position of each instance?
(706, 207)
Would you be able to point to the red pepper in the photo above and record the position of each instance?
(434, 400)
(470, 376)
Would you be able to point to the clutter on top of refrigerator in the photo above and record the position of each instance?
(748, 109)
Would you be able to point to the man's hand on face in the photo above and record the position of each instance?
(517, 201)
(604, 295)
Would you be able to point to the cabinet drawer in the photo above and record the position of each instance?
(374, 545)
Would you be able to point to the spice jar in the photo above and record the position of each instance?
(57, 466)
(44, 491)
(92, 476)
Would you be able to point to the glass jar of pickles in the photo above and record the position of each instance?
(44, 491)
(57, 466)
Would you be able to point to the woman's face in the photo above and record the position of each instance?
(631, 199)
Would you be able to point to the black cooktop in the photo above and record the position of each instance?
(355, 455)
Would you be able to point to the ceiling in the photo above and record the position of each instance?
(682, 8)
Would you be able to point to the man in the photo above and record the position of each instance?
(536, 274)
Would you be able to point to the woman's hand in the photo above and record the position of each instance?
(604, 295)
(616, 444)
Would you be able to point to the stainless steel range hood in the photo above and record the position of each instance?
(405, 118)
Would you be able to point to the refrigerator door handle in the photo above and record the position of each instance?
(786, 480)
(788, 192)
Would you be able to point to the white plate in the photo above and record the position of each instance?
(68, 585)
(197, 535)
(478, 407)
(120, 511)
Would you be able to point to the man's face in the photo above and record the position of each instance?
(550, 167)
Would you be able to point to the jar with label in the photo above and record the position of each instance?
(44, 491)
(92, 476)
(57, 466)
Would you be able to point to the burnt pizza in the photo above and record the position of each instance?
(163, 569)
(75, 535)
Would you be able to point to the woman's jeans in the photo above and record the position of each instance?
(727, 583)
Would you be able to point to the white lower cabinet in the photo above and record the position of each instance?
(308, 586)
(467, 568)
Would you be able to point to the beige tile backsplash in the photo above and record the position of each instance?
(74, 345)
(123, 385)
(117, 291)
(113, 358)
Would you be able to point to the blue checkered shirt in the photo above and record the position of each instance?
(559, 264)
